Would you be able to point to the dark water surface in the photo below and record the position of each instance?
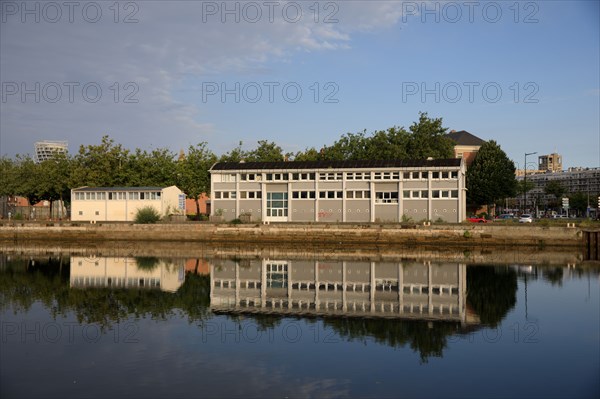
(88, 326)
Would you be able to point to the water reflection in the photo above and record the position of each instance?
(116, 272)
(295, 326)
(403, 290)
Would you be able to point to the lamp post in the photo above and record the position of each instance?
(525, 179)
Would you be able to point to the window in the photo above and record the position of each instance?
(386, 175)
(277, 176)
(303, 176)
(229, 177)
(358, 176)
(386, 197)
(248, 177)
(454, 175)
(330, 176)
(134, 195)
(444, 175)
(331, 194)
(303, 194)
(80, 213)
(435, 193)
(358, 194)
(435, 175)
(406, 194)
(142, 196)
(453, 193)
(424, 194)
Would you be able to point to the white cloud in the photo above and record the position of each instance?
(169, 43)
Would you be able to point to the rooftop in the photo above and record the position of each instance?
(364, 164)
(465, 138)
(148, 188)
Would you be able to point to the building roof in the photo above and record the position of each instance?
(465, 138)
(364, 164)
(149, 188)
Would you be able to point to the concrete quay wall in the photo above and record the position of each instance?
(303, 234)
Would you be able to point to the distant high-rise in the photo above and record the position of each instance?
(47, 149)
(550, 163)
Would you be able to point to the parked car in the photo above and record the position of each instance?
(526, 218)
(506, 216)
(475, 219)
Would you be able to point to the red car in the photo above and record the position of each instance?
(475, 219)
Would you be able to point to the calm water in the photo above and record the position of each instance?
(89, 326)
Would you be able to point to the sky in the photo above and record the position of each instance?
(156, 74)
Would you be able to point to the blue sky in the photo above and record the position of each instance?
(367, 70)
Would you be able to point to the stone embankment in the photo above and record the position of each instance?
(462, 235)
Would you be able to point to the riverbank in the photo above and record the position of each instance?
(452, 235)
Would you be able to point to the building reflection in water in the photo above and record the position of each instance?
(119, 272)
(403, 290)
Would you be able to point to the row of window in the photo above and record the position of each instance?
(384, 197)
(338, 176)
(117, 195)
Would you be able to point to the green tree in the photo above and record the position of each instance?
(266, 152)
(8, 176)
(53, 181)
(428, 139)
(103, 165)
(155, 168)
(235, 155)
(351, 146)
(555, 189)
(309, 154)
(28, 179)
(491, 176)
(523, 187)
(193, 172)
(579, 202)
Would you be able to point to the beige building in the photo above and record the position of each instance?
(127, 272)
(405, 290)
(550, 163)
(122, 203)
(466, 145)
(340, 191)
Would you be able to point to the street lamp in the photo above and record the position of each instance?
(525, 179)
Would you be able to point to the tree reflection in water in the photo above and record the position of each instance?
(491, 295)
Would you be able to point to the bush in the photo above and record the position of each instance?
(236, 221)
(147, 215)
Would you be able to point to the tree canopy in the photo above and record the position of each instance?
(491, 176)
(109, 164)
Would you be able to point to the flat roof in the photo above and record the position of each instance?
(118, 188)
(363, 164)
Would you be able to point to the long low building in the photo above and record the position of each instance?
(340, 191)
(122, 203)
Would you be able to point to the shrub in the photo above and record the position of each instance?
(236, 221)
(406, 218)
(147, 215)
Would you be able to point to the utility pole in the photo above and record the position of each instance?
(525, 179)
